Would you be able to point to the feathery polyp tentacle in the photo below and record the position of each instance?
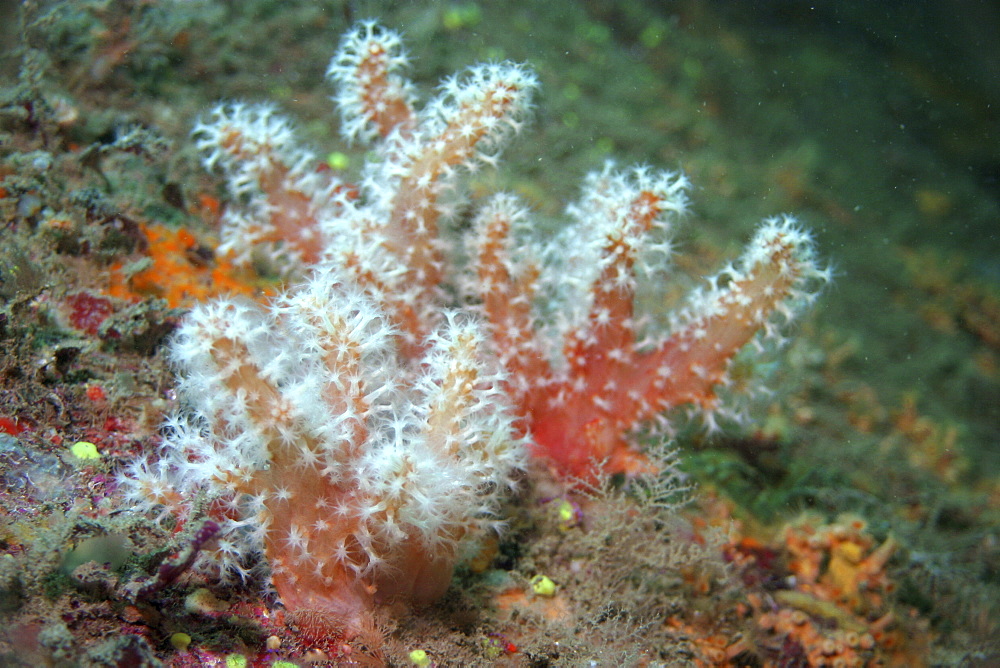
(282, 195)
(373, 97)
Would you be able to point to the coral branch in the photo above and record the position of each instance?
(776, 275)
(580, 409)
(285, 195)
(507, 288)
(359, 481)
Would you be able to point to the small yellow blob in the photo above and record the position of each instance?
(84, 450)
(338, 160)
(203, 602)
(236, 661)
(491, 649)
(180, 641)
(543, 586)
(458, 17)
(418, 657)
(849, 552)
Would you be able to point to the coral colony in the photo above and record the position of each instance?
(361, 430)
